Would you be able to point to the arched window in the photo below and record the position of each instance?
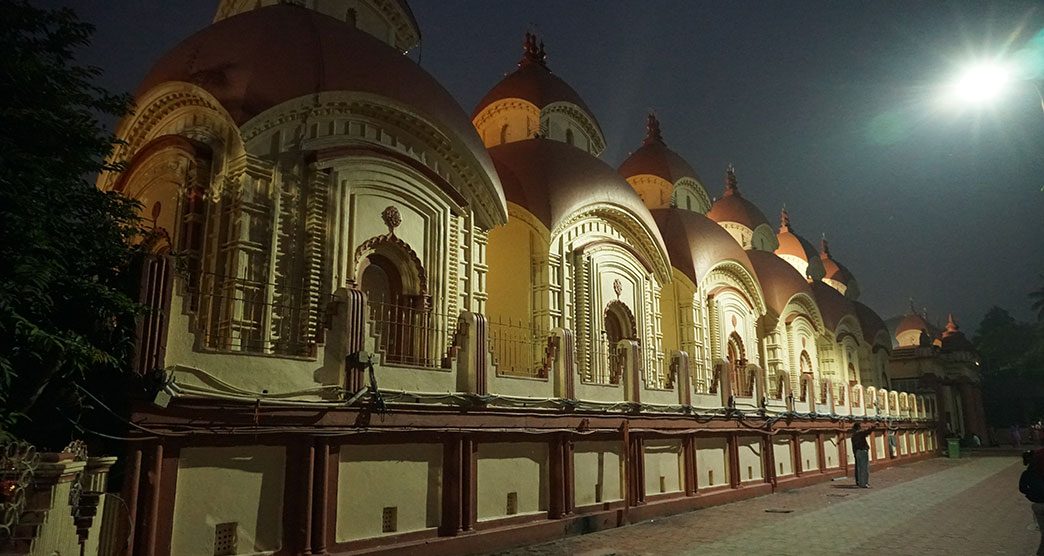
(737, 361)
(805, 363)
(503, 134)
(852, 379)
(380, 280)
(569, 136)
(352, 17)
(619, 325)
(393, 280)
(688, 203)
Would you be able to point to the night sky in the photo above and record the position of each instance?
(829, 107)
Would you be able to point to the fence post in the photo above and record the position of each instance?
(564, 370)
(632, 370)
(345, 333)
(473, 357)
(683, 380)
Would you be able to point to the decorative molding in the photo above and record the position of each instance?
(394, 242)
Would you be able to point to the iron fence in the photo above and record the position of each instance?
(519, 348)
(409, 333)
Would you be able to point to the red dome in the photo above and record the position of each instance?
(914, 321)
(833, 270)
(832, 305)
(552, 180)
(533, 82)
(779, 281)
(870, 322)
(259, 59)
(654, 158)
(792, 244)
(695, 243)
(732, 207)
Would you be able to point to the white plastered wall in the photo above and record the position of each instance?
(242, 484)
(751, 464)
(597, 468)
(809, 452)
(520, 468)
(370, 478)
(663, 466)
(783, 455)
(832, 451)
(712, 457)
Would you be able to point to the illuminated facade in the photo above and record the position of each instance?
(556, 344)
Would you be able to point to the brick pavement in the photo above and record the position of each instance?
(938, 506)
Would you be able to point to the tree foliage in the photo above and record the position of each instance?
(1013, 372)
(1037, 296)
(67, 248)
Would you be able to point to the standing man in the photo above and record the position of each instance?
(1031, 483)
(861, 449)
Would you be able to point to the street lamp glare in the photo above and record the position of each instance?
(982, 82)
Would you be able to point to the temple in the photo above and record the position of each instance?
(386, 325)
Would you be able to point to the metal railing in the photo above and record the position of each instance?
(239, 314)
(607, 365)
(408, 333)
(519, 348)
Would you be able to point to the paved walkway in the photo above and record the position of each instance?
(940, 506)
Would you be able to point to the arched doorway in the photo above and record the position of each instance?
(805, 365)
(391, 276)
(619, 324)
(737, 361)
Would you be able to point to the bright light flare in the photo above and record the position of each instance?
(981, 83)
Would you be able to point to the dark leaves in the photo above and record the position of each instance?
(65, 247)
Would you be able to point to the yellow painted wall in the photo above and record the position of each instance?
(519, 467)
(751, 467)
(407, 477)
(711, 458)
(809, 452)
(597, 463)
(508, 284)
(663, 466)
(782, 455)
(669, 314)
(521, 118)
(242, 484)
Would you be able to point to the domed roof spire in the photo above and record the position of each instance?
(652, 130)
(951, 326)
(731, 183)
(533, 52)
(784, 219)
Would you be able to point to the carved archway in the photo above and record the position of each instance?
(805, 366)
(619, 324)
(737, 362)
(393, 278)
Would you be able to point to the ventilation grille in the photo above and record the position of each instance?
(512, 503)
(225, 539)
(390, 519)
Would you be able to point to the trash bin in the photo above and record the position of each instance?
(953, 447)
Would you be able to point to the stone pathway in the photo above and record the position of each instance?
(939, 506)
